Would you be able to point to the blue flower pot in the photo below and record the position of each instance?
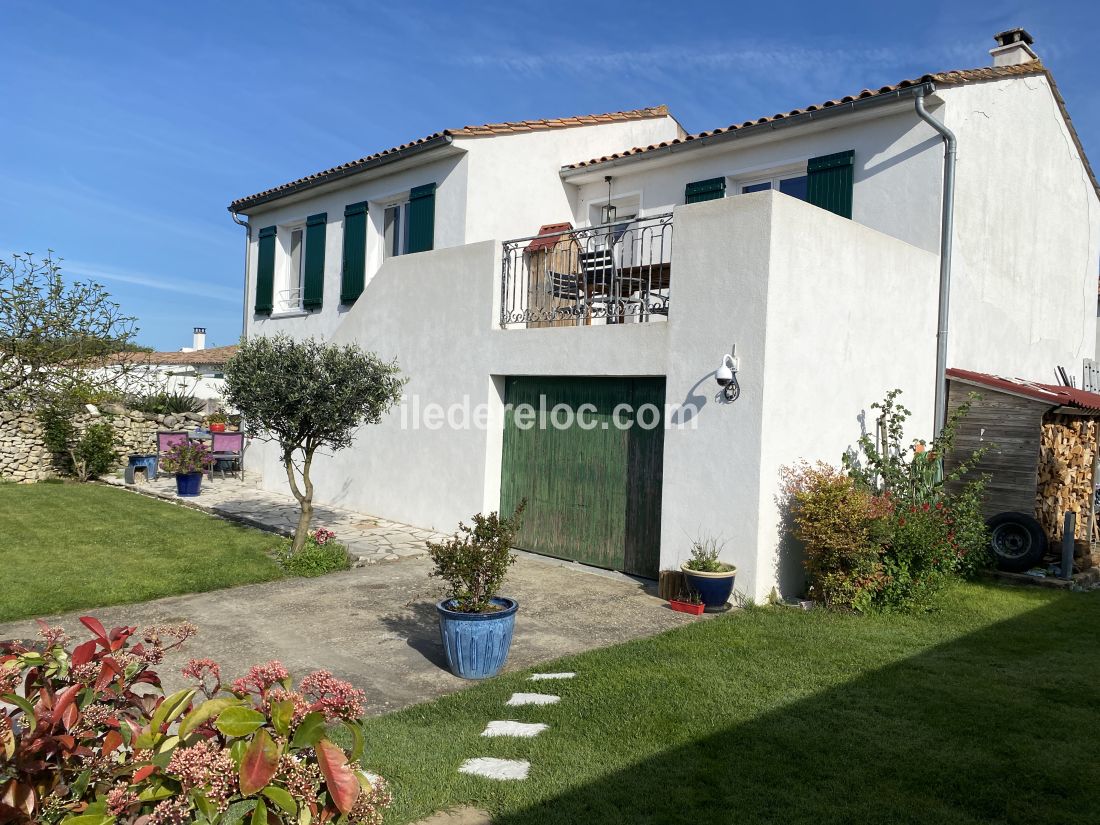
(714, 589)
(188, 484)
(477, 644)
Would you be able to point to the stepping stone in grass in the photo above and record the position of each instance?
(514, 729)
(492, 768)
(533, 699)
(538, 677)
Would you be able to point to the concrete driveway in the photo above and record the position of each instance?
(376, 626)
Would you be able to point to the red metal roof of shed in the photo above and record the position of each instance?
(1052, 394)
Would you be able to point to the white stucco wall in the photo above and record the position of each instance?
(515, 187)
(851, 315)
(720, 469)
(487, 187)
(449, 173)
(1027, 234)
(896, 179)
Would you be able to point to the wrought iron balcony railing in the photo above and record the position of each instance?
(615, 273)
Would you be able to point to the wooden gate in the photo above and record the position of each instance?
(588, 467)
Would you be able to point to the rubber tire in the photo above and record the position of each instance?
(1023, 534)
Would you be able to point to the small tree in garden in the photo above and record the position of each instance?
(90, 453)
(474, 563)
(308, 395)
(53, 333)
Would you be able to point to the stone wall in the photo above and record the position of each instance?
(24, 457)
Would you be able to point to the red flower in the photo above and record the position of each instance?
(925, 507)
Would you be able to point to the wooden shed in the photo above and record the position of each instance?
(1041, 456)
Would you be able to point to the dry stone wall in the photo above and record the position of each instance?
(25, 458)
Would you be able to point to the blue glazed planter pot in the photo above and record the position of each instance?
(714, 589)
(188, 484)
(477, 644)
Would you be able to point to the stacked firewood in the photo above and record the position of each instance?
(1067, 456)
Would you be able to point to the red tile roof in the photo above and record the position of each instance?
(444, 136)
(199, 357)
(548, 236)
(1053, 394)
(949, 78)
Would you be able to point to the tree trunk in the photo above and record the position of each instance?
(303, 494)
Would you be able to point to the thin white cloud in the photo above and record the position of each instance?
(87, 271)
(166, 283)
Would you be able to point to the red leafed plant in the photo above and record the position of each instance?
(88, 737)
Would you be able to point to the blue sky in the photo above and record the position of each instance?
(127, 127)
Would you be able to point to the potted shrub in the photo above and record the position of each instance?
(710, 578)
(475, 624)
(217, 421)
(188, 461)
(688, 601)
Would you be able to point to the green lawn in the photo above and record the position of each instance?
(76, 546)
(985, 712)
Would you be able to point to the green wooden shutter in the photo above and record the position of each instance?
(829, 182)
(422, 218)
(265, 271)
(355, 252)
(313, 286)
(705, 190)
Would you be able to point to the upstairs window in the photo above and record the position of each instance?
(291, 294)
(794, 184)
(396, 229)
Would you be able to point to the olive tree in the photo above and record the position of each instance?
(308, 395)
(55, 334)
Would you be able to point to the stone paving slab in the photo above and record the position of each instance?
(369, 539)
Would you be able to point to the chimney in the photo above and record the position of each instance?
(1013, 48)
(199, 339)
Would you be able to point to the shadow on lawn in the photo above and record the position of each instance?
(997, 726)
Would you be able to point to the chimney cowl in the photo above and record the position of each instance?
(1013, 48)
(199, 339)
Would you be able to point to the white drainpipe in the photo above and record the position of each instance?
(247, 245)
(947, 222)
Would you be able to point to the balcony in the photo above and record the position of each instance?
(616, 273)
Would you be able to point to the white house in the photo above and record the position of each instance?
(808, 245)
(195, 370)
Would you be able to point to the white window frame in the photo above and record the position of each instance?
(401, 204)
(288, 294)
(772, 177)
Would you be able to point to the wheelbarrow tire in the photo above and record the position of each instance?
(1017, 540)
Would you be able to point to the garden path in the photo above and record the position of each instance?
(369, 539)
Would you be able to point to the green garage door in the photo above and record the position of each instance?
(593, 488)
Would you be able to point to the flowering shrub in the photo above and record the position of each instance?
(88, 738)
(188, 457)
(887, 532)
(319, 555)
(842, 526)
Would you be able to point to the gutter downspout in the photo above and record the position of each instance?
(247, 245)
(947, 223)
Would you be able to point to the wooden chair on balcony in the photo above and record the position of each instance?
(605, 284)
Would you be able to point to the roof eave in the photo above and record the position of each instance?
(242, 206)
(742, 132)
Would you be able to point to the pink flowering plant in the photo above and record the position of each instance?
(188, 457)
(320, 554)
(87, 737)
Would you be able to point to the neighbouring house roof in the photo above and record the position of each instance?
(949, 78)
(1053, 394)
(439, 139)
(212, 356)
